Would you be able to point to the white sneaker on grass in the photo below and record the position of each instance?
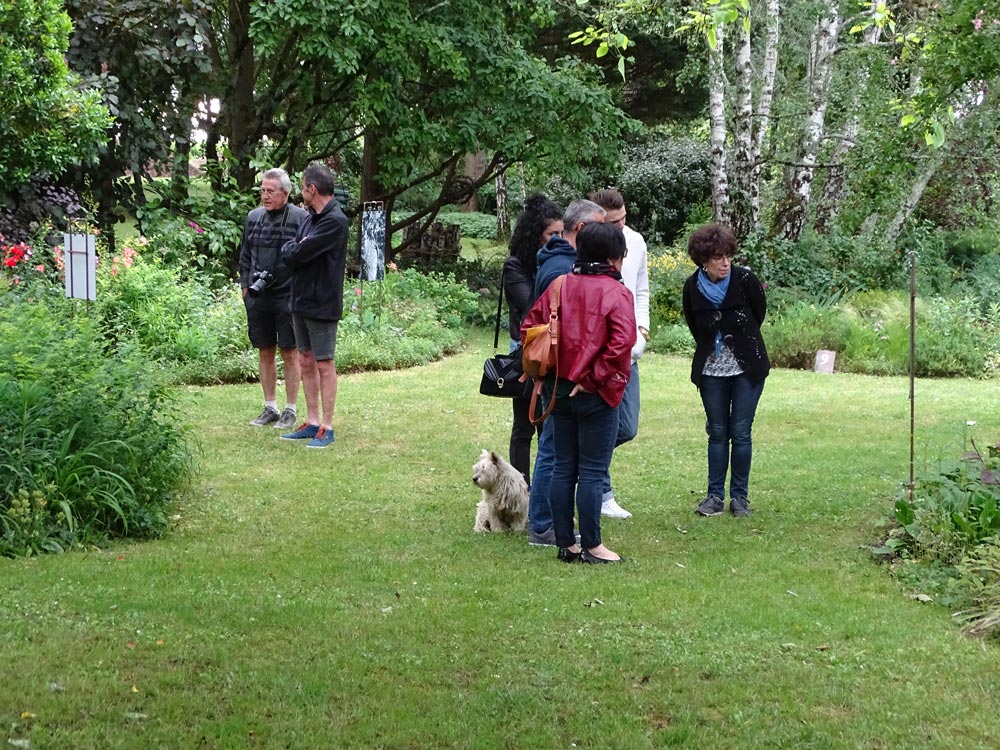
(612, 509)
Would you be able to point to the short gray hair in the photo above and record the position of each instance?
(580, 210)
(281, 176)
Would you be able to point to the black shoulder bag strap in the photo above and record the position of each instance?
(496, 330)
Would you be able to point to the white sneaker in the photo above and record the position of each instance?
(611, 509)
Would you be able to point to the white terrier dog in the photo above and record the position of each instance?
(504, 506)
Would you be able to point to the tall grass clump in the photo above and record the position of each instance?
(91, 446)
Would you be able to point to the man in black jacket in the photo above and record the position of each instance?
(316, 258)
(266, 286)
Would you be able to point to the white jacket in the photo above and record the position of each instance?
(635, 275)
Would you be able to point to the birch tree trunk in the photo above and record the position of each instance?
(793, 218)
(503, 217)
(828, 206)
(742, 219)
(717, 124)
(768, 71)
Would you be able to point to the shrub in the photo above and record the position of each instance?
(663, 181)
(672, 339)
(800, 329)
(471, 224)
(90, 443)
(668, 270)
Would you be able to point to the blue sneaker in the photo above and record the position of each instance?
(306, 431)
(323, 438)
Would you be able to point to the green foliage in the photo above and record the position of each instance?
(822, 264)
(471, 224)
(200, 236)
(47, 122)
(672, 339)
(668, 269)
(91, 446)
(663, 180)
(951, 533)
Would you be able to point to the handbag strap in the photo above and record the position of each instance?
(555, 300)
(496, 329)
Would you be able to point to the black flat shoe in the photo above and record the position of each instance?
(567, 556)
(594, 560)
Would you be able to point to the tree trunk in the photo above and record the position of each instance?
(828, 206)
(717, 123)
(769, 70)
(824, 44)
(503, 217)
(475, 167)
(743, 219)
(240, 106)
(179, 175)
(912, 199)
(371, 187)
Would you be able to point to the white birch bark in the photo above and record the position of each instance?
(768, 71)
(717, 125)
(824, 44)
(828, 206)
(503, 217)
(742, 218)
(912, 199)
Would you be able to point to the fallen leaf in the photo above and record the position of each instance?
(824, 647)
(683, 531)
(55, 687)
(680, 565)
(922, 598)
(130, 644)
(159, 642)
(135, 716)
(27, 715)
(790, 592)
(788, 646)
(135, 689)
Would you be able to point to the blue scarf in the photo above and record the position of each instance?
(714, 292)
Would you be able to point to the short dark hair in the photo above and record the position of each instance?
(711, 241)
(600, 242)
(320, 177)
(609, 199)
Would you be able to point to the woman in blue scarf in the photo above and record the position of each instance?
(724, 306)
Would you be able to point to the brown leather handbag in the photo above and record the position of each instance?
(541, 351)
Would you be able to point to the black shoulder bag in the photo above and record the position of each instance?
(502, 372)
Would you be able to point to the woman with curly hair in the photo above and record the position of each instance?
(540, 220)
(724, 306)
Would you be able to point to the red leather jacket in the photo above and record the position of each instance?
(596, 333)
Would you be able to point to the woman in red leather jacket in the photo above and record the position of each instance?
(596, 334)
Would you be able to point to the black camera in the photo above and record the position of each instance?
(261, 281)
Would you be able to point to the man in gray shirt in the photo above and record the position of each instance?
(265, 282)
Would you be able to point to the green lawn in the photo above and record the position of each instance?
(338, 599)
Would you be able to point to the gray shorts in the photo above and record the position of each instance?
(319, 336)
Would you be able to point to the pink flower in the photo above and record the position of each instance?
(114, 270)
(40, 268)
(978, 23)
(357, 291)
(392, 266)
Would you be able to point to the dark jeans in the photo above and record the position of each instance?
(539, 512)
(521, 432)
(628, 420)
(730, 405)
(584, 430)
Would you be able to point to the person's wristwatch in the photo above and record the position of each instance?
(645, 332)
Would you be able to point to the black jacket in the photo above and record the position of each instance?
(316, 257)
(517, 284)
(739, 318)
(264, 234)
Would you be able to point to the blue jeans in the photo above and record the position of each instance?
(628, 421)
(730, 404)
(584, 429)
(539, 512)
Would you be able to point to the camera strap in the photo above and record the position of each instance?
(255, 237)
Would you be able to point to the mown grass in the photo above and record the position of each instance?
(338, 599)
